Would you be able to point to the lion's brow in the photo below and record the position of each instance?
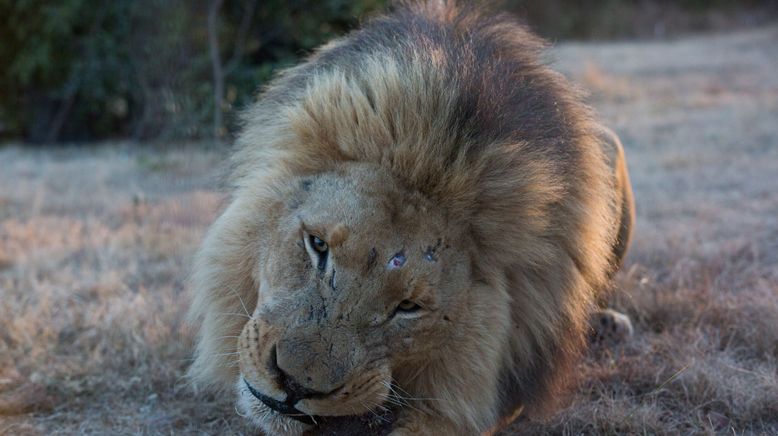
(337, 235)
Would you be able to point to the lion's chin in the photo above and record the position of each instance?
(271, 422)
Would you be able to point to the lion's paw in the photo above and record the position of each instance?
(610, 327)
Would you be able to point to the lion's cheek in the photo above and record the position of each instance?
(423, 338)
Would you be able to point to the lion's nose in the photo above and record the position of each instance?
(318, 360)
(294, 390)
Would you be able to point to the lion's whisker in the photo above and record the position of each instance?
(370, 409)
(406, 397)
(236, 353)
(226, 337)
(399, 400)
(393, 400)
(234, 314)
(241, 301)
(402, 401)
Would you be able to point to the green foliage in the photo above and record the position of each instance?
(89, 69)
(58, 54)
(85, 69)
(285, 30)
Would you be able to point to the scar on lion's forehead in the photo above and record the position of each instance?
(397, 261)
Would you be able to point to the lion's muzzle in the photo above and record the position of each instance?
(309, 370)
(312, 361)
(285, 408)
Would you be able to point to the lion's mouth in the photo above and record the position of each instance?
(285, 408)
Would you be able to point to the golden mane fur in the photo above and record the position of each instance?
(456, 107)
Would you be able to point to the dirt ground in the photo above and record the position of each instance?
(95, 243)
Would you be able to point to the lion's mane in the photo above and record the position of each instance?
(456, 105)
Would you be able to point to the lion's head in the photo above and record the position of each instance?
(358, 278)
(357, 283)
(422, 216)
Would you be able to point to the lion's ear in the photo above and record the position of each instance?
(223, 297)
(614, 152)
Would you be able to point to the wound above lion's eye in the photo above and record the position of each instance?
(430, 254)
(397, 261)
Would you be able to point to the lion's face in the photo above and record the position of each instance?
(357, 277)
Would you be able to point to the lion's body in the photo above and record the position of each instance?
(433, 125)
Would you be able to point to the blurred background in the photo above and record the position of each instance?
(85, 70)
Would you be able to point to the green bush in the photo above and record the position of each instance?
(64, 61)
(91, 69)
(87, 69)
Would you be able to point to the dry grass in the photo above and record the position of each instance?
(95, 243)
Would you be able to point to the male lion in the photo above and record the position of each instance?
(424, 218)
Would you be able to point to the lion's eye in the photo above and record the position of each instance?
(321, 250)
(318, 245)
(407, 306)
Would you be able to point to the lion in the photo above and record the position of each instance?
(423, 218)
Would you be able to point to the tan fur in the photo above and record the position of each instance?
(366, 147)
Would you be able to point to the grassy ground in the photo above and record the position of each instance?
(95, 243)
